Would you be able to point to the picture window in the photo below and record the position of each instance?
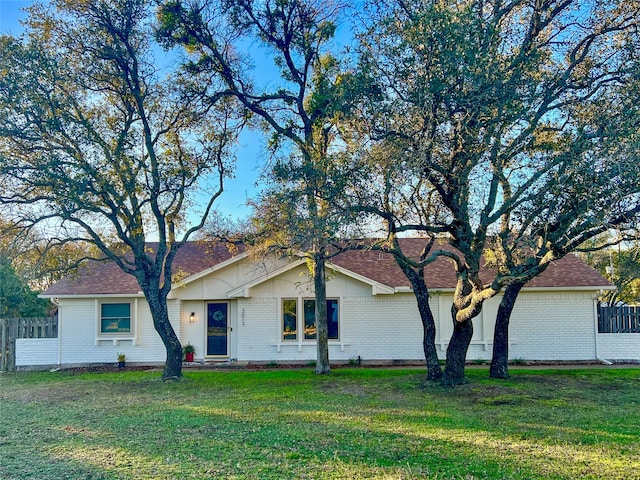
(290, 319)
(115, 318)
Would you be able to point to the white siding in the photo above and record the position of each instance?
(194, 333)
(217, 284)
(374, 328)
(544, 326)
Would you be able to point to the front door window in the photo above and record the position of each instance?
(217, 329)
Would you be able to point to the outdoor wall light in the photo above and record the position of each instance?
(192, 317)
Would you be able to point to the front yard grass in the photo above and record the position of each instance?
(292, 424)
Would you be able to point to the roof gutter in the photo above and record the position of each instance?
(54, 297)
(582, 288)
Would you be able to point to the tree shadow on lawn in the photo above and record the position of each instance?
(346, 426)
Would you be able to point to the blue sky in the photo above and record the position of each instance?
(10, 14)
(249, 156)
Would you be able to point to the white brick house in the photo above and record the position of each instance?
(232, 306)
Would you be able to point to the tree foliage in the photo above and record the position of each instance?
(101, 144)
(298, 108)
(35, 258)
(494, 112)
(17, 299)
(27, 267)
(617, 258)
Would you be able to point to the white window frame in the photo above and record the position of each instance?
(282, 333)
(116, 337)
(300, 321)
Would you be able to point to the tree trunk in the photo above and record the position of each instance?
(457, 352)
(434, 371)
(500, 359)
(322, 330)
(421, 292)
(160, 315)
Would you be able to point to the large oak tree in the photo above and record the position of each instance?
(487, 102)
(103, 144)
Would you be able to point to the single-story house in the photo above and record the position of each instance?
(233, 306)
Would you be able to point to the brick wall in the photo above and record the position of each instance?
(553, 326)
(544, 326)
(619, 346)
(80, 343)
(36, 352)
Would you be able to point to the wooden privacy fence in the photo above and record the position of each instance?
(12, 328)
(622, 319)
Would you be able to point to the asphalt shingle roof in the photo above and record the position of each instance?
(104, 278)
(569, 271)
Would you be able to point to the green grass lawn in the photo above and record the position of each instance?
(352, 424)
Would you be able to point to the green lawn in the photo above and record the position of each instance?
(353, 424)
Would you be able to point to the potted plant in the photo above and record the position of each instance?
(189, 351)
(121, 359)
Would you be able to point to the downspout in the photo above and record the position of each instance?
(56, 302)
(595, 330)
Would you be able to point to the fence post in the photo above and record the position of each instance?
(600, 312)
(3, 344)
(10, 363)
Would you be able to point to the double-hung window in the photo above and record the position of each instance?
(115, 318)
